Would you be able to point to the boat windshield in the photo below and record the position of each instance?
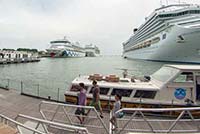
(165, 73)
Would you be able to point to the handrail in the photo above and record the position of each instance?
(67, 115)
(132, 112)
(60, 125)
(62, 104)
(159, 109)
(20, 124)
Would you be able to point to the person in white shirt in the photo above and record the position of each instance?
(116, 107)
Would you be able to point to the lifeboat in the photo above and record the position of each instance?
(97, 77)
(112, 78)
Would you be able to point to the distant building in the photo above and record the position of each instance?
(12, 54)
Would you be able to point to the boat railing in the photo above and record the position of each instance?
(65, 113)
(45, 125)
(158, 120)
(15, 126)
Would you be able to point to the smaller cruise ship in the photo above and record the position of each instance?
(91, 51)
(65, 48)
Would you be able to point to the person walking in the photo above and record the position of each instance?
(82, 101)
(96, 98)
(116, 107)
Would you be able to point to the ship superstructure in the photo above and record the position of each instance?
(91, 51)
(170, 33)
(65, 48)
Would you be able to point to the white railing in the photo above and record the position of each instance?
(59, 126)
(184, 120)
(51, 111)
(16, 125)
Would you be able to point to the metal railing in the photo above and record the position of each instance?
(49, 125)
(36, 89)
(65, 113)
(184, 120)
(16, 125)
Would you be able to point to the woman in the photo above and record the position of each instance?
(82, 101)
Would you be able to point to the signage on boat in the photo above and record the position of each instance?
(180, 93)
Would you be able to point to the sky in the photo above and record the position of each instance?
(104, 23)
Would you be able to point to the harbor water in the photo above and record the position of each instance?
(53, 75)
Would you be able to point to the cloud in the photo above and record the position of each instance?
(105, 23)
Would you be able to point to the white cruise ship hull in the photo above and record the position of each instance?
(65, 53)
(171, 48)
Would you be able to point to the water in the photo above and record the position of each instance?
(52, 73)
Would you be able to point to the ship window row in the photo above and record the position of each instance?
(180, 14)
(149, 34)
(147, 24)
(145, 94)
(153, 29)
(122, 92)
(145, 44)
(147, 28)
(148, 21)
(152, 23)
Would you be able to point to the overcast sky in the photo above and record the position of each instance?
(105, 23)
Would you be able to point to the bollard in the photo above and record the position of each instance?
(21, 87)
(58, 94)
(38, 90)
(8, 83)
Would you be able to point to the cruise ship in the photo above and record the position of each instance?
(92, 51)
(65, 48)
(170, 33)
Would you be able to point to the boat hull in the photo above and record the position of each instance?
(66, 54)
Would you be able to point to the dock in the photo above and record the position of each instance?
(18, 60)
(28, 110)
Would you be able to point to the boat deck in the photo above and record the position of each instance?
(12, 104)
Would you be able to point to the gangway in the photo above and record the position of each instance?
(49, 127)
(65, 114)
(152, 120)
(10, 126)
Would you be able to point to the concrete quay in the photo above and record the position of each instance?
(18, 60)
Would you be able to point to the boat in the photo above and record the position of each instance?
(170, 86)
(171, 34)
(92, 51)
(65, 48)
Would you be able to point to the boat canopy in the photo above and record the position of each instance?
(165, 73)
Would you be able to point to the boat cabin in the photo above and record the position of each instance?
(171, 85)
